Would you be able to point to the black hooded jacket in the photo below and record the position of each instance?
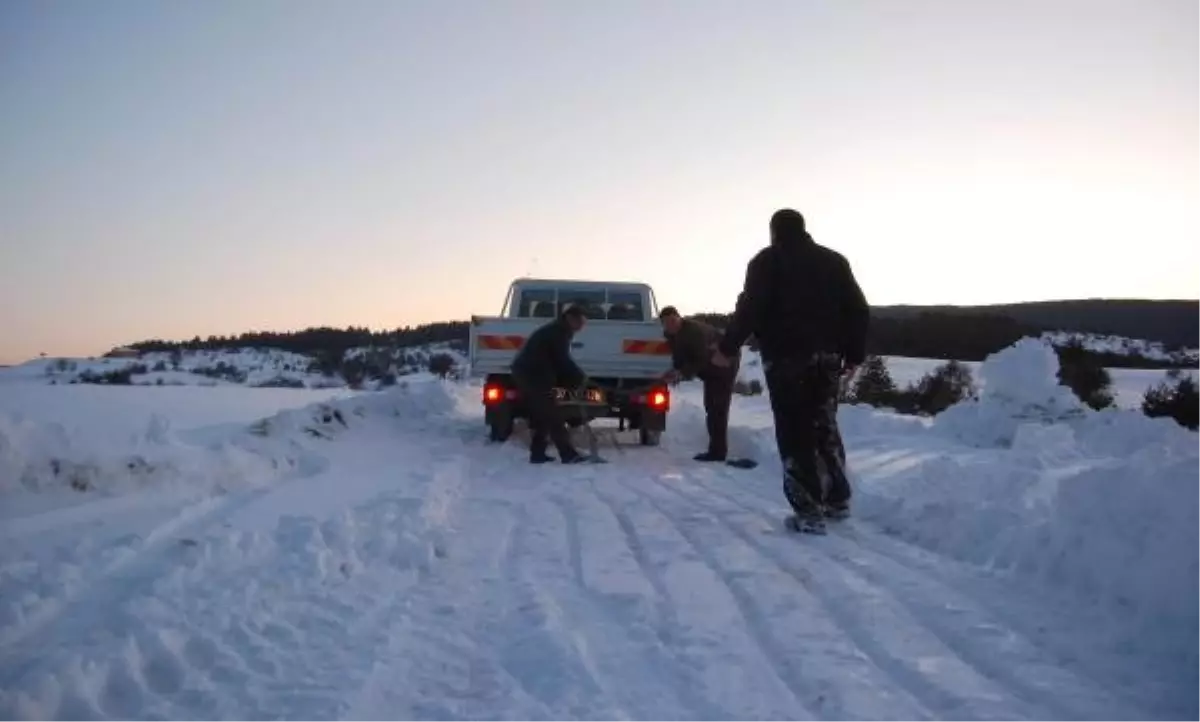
(799, 298)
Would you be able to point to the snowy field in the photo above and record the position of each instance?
(370, 556)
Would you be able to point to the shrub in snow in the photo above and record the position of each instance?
(326, 363)
(937, 391)
(1175, 398)
(280, 382)
(223, 370)
(119, 377)
(441, 364)
(355, 372)
(1083, 374)
(873, 384)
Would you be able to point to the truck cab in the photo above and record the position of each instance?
(621, 349)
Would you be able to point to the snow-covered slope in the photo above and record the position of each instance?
(231, 367)
(1123, 346)
(371, 557)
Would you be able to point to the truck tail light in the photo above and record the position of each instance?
(659, 399)
(493, 394)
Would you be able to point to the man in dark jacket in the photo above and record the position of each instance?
(692, 344)
(803, 303)
(543, 363)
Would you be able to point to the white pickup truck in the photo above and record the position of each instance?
(621, 349)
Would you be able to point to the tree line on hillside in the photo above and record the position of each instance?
(318, 340)
(963, 337)
(967, 336)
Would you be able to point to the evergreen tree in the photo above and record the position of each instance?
(1175, 398)
(874, 384)
(945, 386)
(1080, 371)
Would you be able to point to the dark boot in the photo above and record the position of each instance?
(709, 456)
(837, 509)
(808, 513)
(541, 458)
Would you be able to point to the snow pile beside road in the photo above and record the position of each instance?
(1104, 503)
(46, 457)
(1019, 386)
(39, 456)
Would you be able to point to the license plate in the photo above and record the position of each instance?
(591, 396)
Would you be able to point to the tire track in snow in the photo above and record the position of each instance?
(603, 620)
(667, 619)
(988, 691)
(621, 588)
(915, 578)
(820, 664)
(432, 664)
(983, 639)
(715, 635)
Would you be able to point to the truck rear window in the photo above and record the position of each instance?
(625, 306)
(597, 304)
(591, 301)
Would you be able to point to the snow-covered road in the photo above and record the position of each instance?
(405, 569)
(375, 559)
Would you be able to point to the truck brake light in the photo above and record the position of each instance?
(493, 394)
(659, 399)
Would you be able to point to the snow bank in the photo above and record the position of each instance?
(41, 456)
(1104, 503)
(1019, 386)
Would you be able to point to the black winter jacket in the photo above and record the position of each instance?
(544, 361)
(800, 298)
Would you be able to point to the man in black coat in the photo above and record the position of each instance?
(543, 363)
(692, 343)
(804, 305)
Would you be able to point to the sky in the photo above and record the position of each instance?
(178, 169)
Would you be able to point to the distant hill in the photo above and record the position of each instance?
(358, 368)
(1175, 324)
(966, 333)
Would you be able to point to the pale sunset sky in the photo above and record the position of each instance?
(171, 169)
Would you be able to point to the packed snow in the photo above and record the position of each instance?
(368, 555)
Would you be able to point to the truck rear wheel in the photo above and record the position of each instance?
(500, 427)
(649, 437)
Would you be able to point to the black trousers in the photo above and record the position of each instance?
(718, 396)
(546, 422)
(804, 393)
